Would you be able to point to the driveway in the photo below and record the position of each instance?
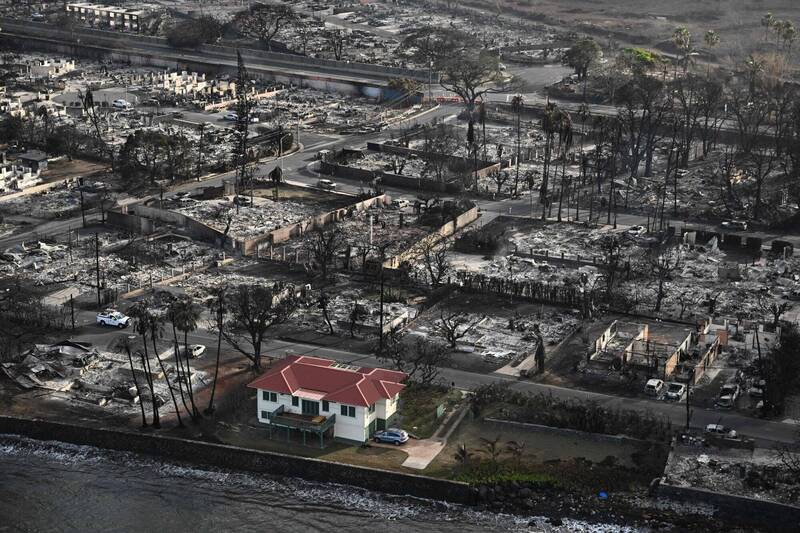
(420, 452)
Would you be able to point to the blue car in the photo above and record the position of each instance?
(392, 436)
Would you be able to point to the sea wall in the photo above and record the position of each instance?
(232, 457)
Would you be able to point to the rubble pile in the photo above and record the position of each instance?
(758, 474)
(88, 375)
(353, 305)
(248, 221)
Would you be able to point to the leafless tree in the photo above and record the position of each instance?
(454, 326)
(420, 358)
(435, 259)
(439, 144)
(252, 312)
(774, 309)
(263, 21)
(336, 40)
(500, 178)
(325, 247)
(323, 303)
(663, 262)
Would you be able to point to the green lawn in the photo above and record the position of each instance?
(418, 405)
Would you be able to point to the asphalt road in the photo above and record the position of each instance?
(765, 432)
(295, 164)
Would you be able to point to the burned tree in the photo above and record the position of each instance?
(263, 22)
(420, 358)
(336, 40)
(435, 259)
(663, 263)
(454, 326)
(252, 312)
(325, 247)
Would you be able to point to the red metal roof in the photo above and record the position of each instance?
(348, 385)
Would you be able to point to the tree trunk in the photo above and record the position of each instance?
(195, 412)
(210, 408)
(179, 369)
(136, 384)
(149, 377)
(166, 378)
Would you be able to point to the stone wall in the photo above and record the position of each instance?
(223, 456)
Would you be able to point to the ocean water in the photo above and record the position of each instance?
(52, 486)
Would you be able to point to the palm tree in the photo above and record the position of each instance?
(682, 38)
(516, 448)
(173, 310)
(157, 332)
(493, 449)
(462, 454)
(549, 125)
(517, 104)
(140, 312)
(711, 38)
(768, 21)
(127, 348)
(185, 318)
(217, 306)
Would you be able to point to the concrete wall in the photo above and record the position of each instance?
(148, 46)
(129, 222)
(298, 229)
(742, 510)
(485, 168)
(241, 459)
(394, 180)
(463, 220)
(197, 230)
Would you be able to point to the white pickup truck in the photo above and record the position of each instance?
(113, 318)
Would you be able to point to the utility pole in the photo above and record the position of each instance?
(380, 342)
(688, 405)
(83, 211)
(97, 265)
(72, 311)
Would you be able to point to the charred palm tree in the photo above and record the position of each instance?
(218, 308)
(157, 332)
(140, 313)
(185, 318)
(127, 348)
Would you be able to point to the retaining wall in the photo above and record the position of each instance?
(538, 428)
(739, 509)
(241, 459)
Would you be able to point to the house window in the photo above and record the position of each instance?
(372, 408)
(295, 401)
(269, 396)
(326, 406)
(348, 410)
(265, 414)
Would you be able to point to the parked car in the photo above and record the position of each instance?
(400, 203)
(740, 225)
(653, 387)
(392, 436)
(233, 117)
(110, 317)
(730, 389)
(328, 185)
(727, 396)
(636, 230)
(675, 391)
(720, 431)
(241, 200)
(195, 350)
(121, 103)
